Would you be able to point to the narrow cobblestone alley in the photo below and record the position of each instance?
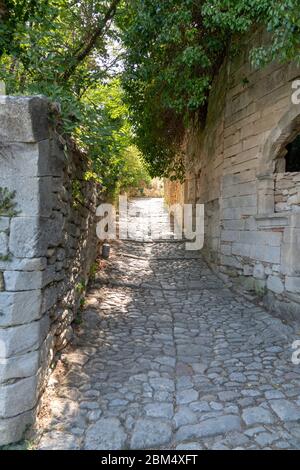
(168, 357)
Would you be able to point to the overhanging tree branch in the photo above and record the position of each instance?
(86, 48)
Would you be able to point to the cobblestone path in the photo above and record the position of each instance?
(167, 357)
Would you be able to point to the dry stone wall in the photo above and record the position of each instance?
(47, 246)
(252, 211)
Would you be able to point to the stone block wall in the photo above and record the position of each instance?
(47, 245)
(233, 164)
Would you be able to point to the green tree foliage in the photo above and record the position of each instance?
(68, 50)
(174, 49)
(71, 51)
(134, 173)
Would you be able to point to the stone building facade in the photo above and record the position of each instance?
(237, 167)
(47, 246)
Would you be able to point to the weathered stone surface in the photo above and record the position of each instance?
(18, 367)
(189, 446)
(259, 271)
(184, 416)
(18, 397)
(26, 238)
(228, 396)
(187, 396)
(275, 284)
(210, 427)
(150, 433)
(24, 338)
(23, 280)
(105, 434)
(59, 440)
(17, 308)
(33, 196)
(160, 410)
(12, 429)
(32, 160)
(238, 377)
(25, 264)
(292, 284)
(286, 410)
(257, 415)
(3, 244)
(162, 384)
(34, 123)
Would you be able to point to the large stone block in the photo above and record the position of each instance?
(240, 201)
(28, 237)
(19, 367)
(241, 189)
(13, 429)
(292, 235)
(269, 254)
(275, 284)
(238, 212)
(22, 339)
(23, 119)
(230, 235)
(18, 308)
(233, 224)
(231, 261)
(25, 264)
(241, 249)
(33, 196)
(292, 284)
(23, 280)
(261, 238)
(18, 397)
(27, 160)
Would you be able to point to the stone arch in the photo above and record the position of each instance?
(273, 150)
(275, 146)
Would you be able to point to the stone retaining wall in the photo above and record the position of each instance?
(252, 212)
(47, 246)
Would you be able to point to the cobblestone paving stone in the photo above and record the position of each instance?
(168, 357)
